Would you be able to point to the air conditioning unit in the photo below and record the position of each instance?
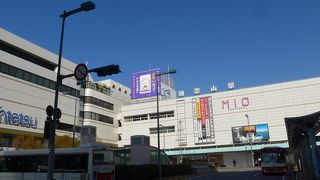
(196, 91)
(213, 89)
(181, 94)
(231, 85)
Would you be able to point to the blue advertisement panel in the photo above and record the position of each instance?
(252, 133)
(143, 84)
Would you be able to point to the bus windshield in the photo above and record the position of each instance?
(273, 157)
(103, 157)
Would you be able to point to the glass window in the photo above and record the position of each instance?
(98, 102)
(46, 83)
(15, 164)
(4, 164)
(59, 163)
(4, 68)
(19, 74)
(35, 164)
(78, 163)
(40, 81)
(73, 92)
(63, 89)
(33, 78)
(52, 85)
(94, 116)
(102, 157)
(27, 76)
(87, 115)
(12, 71)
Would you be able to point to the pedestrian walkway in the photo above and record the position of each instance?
(223, 169)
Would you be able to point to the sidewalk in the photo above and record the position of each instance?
(223, 169)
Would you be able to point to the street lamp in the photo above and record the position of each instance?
(249, 140)
(164, 137)
(75, 118)
(86, 6)
(172, 71)
(75, 115)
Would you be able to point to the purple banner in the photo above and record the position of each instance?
(143, 84)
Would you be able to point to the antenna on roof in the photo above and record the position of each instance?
(150, 65)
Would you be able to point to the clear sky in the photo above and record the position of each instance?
(209, 42)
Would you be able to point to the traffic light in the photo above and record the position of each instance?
(58, 113)
(106, 70)
(50, 113)
(46, 131)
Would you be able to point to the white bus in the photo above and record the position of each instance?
(85, 163)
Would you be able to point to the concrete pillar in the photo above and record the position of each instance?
(314, 152)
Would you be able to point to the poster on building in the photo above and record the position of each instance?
(203, 120)
(143, 84)
(253, 133)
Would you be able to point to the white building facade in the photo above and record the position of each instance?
(218, 124)
(28, 74)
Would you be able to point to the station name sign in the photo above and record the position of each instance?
(17, 119)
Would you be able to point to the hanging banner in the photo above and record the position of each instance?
(203, 120)
(143, 84)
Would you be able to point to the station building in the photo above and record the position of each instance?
(223, 126)
(28, 75)
(220, 127)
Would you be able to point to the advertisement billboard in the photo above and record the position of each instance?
(252, 133)
(203, 120)
(143, 84)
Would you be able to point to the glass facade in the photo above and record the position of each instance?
(98, 102)
(35, 79)
(97, 117)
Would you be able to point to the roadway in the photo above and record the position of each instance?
(239, 174)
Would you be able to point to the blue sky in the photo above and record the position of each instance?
(209, 42)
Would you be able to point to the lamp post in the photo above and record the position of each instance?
(172, 71)
(249, 141)
(86, 6)
(75, 118)
(164, 137)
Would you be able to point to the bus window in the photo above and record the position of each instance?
(273, 157)
(103, 157)
(79, 163)
(35, 163)
(4, 164)
(11, 164)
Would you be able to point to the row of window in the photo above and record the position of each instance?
(162, 115)
(97, 117)
(98, 102)
(27, 56)
(142, 117)
(67, 127)
(36, 79)
(163, 129)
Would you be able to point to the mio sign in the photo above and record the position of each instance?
(235, 104)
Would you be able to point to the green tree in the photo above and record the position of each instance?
(65, 142)
(27, 142)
